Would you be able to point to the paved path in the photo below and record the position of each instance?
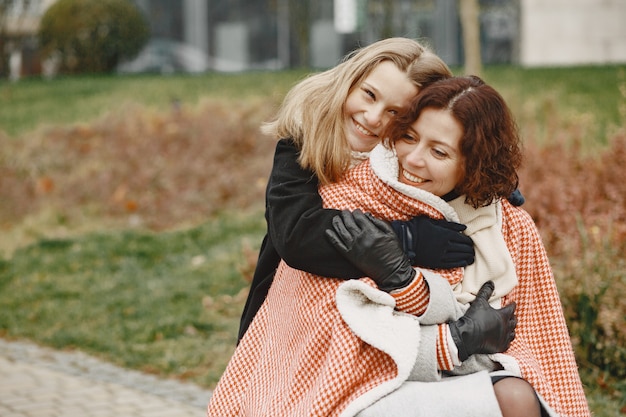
(42, 382)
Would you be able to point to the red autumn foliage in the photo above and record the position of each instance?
(169, 169)
(566, 192)
(180, 167)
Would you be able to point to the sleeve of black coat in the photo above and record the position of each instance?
(297, 221)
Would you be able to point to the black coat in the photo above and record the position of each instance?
(296, 223)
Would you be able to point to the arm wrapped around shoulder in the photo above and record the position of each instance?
(434, 243)
(373, 247)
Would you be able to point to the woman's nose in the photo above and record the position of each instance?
(416, 156)
(373, 117)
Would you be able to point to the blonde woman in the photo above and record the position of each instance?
(327, 123)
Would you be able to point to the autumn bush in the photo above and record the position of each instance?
(579, 204)
(138, 167)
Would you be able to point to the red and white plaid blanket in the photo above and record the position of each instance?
(299, 358)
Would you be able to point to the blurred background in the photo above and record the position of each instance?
(239, 35)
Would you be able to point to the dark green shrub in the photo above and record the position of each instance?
(92, 35)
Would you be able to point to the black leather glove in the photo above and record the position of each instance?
(372, 246)
(483, 329)
(434, 243)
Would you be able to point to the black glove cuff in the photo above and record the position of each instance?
(458, 341)
(399, 280)
(405, 235)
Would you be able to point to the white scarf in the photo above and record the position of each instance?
(484, 226)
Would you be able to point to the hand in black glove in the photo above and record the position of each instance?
(434, 243)
(483, 329)
(372, 246)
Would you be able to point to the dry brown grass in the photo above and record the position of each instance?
(135, 167)
(162, 170)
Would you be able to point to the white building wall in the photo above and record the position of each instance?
(231, 49)
(325, 44)
(196, 30)
(571, 32)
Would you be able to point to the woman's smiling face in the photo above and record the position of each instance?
(373, 103)
(429, 154)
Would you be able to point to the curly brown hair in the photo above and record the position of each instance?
(490, 145)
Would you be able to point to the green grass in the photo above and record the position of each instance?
(165, 303)
(168, 303)
(579, 92)
(593, 95)
(30, 103)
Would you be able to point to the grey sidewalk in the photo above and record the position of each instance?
(42, 382)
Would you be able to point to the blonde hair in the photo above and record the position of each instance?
(312, 111)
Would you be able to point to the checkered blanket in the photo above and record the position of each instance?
(299, 358)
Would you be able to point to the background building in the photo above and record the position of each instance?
(235, 35)
(567, 32)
